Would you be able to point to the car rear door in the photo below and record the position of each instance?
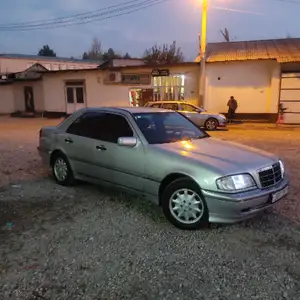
(83, 148)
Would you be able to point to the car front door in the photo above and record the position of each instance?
(192, 113)
(128, 163)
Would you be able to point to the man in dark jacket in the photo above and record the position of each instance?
(232, 107)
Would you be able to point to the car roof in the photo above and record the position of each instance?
(129, 109)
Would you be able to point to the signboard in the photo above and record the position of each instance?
(136, 79)
(160, 72)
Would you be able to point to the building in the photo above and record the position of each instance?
(12, 63)
(260, 74)
(38, 90)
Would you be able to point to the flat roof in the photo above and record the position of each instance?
(48, 58)
(115, 69)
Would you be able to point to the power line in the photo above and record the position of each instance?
(83, 18)
(66, 17)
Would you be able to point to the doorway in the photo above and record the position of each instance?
(28, 98)
(139, 97)
(75, 96)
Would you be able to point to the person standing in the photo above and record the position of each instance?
(232, 107)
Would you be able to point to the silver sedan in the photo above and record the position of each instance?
(202, 118)
(162, 156)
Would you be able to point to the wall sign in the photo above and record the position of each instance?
(136, 79)
(160, 72)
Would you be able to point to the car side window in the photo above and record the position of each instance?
(172, 106)
(101, 126)
(86, 125)
(113, 127)
(188, 107)
(156, 105)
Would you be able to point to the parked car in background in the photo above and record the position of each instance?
(163, 156)
(202, 118)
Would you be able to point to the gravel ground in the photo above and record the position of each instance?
(89, 243)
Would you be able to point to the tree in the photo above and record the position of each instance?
(110, 54)
(127, 56)
(46, 51)
(225, 34)
(85, 56)
(165, 54)
(95, 51)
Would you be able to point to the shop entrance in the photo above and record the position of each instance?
(139, 97)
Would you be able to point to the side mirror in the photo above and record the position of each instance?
(127, 141)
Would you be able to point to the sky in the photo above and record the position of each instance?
(178, 20)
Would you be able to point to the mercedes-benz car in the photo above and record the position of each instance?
(202, 118)
(164, 157)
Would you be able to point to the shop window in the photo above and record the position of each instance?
(169, 87)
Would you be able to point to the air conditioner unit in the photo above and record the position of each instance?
(113, 77)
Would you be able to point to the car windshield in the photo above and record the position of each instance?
(167, 127)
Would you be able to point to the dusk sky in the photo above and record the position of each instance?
(178, 20)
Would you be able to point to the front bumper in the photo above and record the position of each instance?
(232, 208)
(222, 123)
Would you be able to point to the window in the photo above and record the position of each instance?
(70, 95)
(156, 105)
(79, 95)
(114, 126)
(101, 126)
(172, 106)
(169, 87)
(169, 127)
(188, 107)
(75, 92)
(86, 125)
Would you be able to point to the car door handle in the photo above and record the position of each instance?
(101, 147)
(69, 141)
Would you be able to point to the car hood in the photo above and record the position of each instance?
(228, 157)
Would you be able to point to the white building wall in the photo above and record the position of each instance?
(7, 105)
(255, 85)
(38, 95)
(100, 94)
(96, 93)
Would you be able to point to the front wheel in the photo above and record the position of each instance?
(183, 204)
(211, 124)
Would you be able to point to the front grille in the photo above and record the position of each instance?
(270, 176)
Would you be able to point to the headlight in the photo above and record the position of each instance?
(281, 168)
(222, 117)
(236, 182)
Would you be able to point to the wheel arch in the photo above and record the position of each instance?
(54, 153)
(171, 178)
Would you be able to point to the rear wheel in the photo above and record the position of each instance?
(183, 204)
(61, 170)
(211, 124)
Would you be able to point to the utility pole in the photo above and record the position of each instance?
(203, 53)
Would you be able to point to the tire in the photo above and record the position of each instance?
(61, 170)
(171, 192)
(211, 124)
